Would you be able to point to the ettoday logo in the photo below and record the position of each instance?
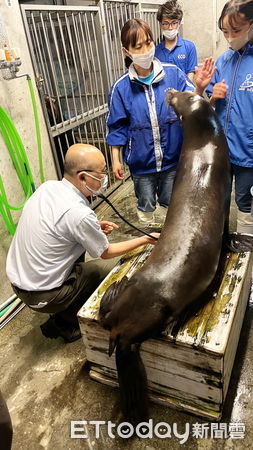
(161, 430)
(125, 430)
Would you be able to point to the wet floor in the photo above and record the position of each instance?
(46, 385)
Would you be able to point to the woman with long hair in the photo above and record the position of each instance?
(231, 92)
(141, 122)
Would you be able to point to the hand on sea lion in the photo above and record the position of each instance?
(152, 241)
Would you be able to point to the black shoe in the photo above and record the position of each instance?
(49, 328)
(71, 334)
(53, 330)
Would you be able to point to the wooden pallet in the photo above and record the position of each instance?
(189, 366)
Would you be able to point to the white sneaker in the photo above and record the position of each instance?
(244, 223)
(160, 213)
(145, 217)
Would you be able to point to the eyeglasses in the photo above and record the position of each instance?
(103, 172)
(172, 24)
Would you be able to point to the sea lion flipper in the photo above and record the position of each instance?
(112, 343)
(109, 298)
(133, 384)
(239, 243)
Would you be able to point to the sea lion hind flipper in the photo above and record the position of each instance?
(133, 384)
(109, 299)
(239, 243)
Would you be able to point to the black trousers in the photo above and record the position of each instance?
(67, 299)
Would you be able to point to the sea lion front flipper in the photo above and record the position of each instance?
(239, 243)
(109, 298)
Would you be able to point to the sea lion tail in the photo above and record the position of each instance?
(132, 383)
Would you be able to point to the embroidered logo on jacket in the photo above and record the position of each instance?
(181, 56)
(247, 85)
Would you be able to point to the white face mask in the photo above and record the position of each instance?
(103, 184)
(170, 34)
(239, 42)
(143, 60)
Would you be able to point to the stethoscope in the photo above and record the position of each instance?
(125, 220)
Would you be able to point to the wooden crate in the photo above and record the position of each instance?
(190, 368)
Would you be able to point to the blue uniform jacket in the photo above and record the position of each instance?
(183, 55)
(235, 112)
(140, 120)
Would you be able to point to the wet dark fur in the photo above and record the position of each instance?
(184, 261)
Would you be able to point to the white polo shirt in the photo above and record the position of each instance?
(55, 228)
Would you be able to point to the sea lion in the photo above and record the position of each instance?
(184, 261)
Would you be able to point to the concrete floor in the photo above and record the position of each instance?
(46, 385)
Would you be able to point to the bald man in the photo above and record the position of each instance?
(56, 227)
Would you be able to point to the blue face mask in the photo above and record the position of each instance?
(103, 184)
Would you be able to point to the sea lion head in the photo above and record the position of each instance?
(195, 112)
(186, 103)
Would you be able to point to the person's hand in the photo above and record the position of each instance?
(153, 241)
(204, 75)
(118, 170)
(220, 90)
(107, 227)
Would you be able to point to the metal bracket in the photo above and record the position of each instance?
(13, 67)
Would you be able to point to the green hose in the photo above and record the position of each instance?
(3, 197)
(5, 212)
(36, 119)
(19, 160)
(16, 150)
(10, 145)
(21, 165)
(6, 309)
